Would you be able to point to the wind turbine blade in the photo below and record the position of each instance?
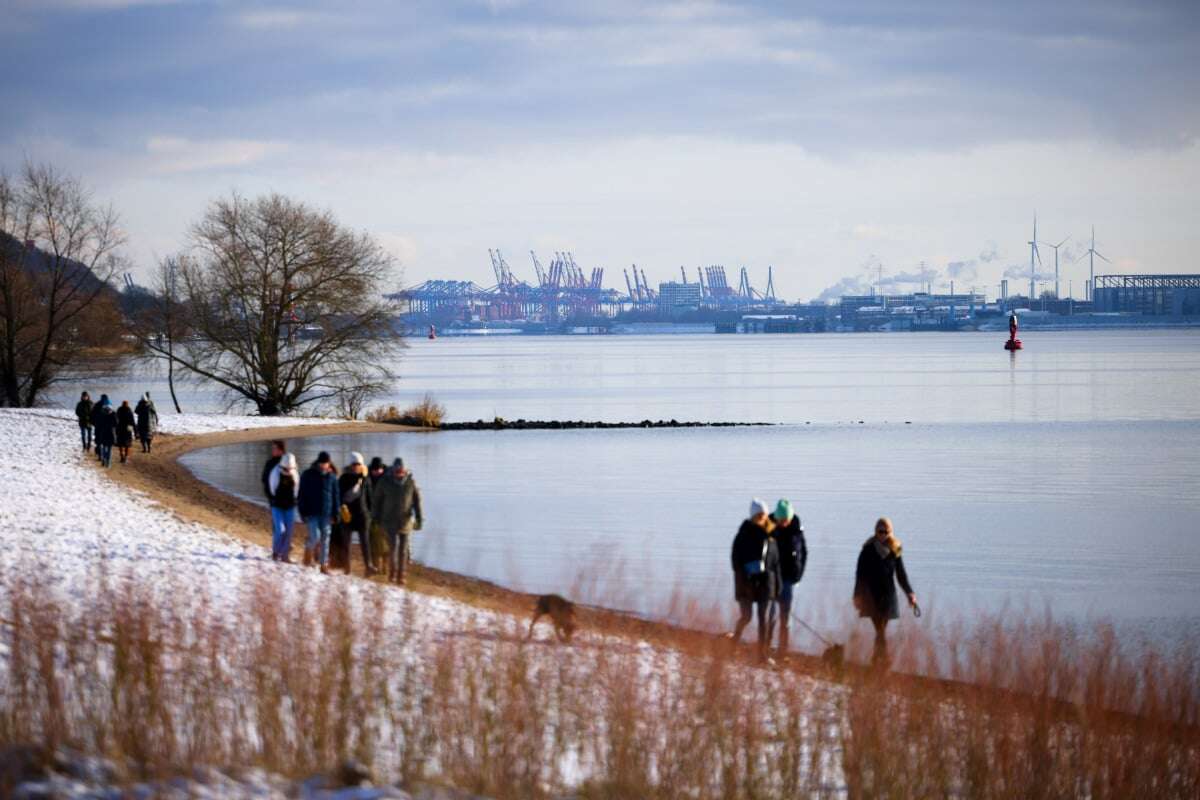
(1064, 241)
(1100, 256)
(1037, 253)
(1082, 257)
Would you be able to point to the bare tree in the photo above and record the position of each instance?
(58, 251)
(283, 306)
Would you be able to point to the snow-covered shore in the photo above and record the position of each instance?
(66, 523)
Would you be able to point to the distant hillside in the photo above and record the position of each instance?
(37, 261)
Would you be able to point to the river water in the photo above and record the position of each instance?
(1065, 477)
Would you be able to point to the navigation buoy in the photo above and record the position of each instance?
(1013, 342)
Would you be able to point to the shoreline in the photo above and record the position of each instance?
(162, 478)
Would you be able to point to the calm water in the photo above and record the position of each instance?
(1068, 476)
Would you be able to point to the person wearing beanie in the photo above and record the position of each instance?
(379, 546)
(793, 558)
(355, 488)
(104, 420)
(147, 421)
(282, 484)
(318, 502)
(396, 506)
(879, 568)
(755, 562)
(126, 428)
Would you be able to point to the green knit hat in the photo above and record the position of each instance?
(783, 511)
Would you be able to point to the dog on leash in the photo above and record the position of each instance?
(561, 612)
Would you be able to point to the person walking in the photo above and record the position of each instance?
(318, 502)
(379, 545)
(278, 448)
(755, 561)
(125, 428)
(396, 505)
(282, 484)
(880, 567)
(104, 420)
(793, 558)
(83, 413)
(147, 421)
(355, 487)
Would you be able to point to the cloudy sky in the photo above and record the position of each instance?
(826, 139)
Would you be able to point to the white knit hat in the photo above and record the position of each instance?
(357, 458)
(757, 507)
(288, 461)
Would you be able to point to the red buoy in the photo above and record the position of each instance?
(1013, 342)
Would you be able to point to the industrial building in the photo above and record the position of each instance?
(1157, 295)
(675, 298)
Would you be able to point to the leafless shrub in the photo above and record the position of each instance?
(426, 414)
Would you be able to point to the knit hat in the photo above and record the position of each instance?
(323, 458)
(783, 512)
(357, 458)
(147, 395)
(377, 463)
(757, 507)
(398, 463)
(104, 400)
(288, 461)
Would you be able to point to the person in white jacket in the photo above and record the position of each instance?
(281, 487)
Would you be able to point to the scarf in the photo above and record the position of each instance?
(890, 545)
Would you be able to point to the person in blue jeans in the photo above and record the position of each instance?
(83, 413)
(793, 557)
(281, 487)
(318, 500)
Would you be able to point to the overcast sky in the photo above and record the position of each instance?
(821, 138)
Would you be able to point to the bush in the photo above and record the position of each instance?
(426, 414)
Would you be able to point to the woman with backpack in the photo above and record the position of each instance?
(355, 487)
(755, 562)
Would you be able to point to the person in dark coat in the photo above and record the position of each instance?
(880, 567)
(793, 558)
(278, 448)
(83, 413)
(396, 506)
(318, 502)
(147, 421)
(379, 546)
(282, 484)
(104, 420)
(755, 561)
(125, 428)
(355, 487)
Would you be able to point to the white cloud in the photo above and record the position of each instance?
(275, 19)
(170, 154)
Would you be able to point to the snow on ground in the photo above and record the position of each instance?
(60, 512)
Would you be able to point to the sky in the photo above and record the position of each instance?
(830, 141)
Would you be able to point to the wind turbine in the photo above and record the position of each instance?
(1091, 253)
(1033, 252)
(1056, 246)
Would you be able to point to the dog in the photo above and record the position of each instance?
(834, 657)
(561, 612)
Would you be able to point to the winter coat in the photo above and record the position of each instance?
(355, 493)
(83, 413)
(271, 464)
(875, 582)
(125, 425)
(281, 488)
(395, 502)
(793, 552)
(104, 419)
(147, 419)
(318, 496)
(755, 561)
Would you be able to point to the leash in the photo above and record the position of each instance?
(811, 630)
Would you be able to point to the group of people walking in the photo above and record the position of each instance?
(769, 556)
(381, 505)
(103, 427)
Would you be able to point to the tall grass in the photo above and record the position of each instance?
(428, 413)
(303, 678)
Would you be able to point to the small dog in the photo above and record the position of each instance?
(834, 656)
(561, 612)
